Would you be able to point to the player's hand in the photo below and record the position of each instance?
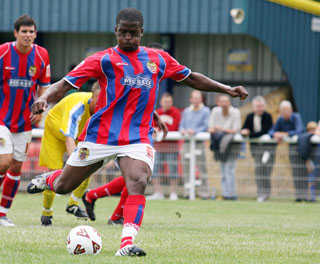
(163, 127)
(238, 91)
(39, 106)
(35, 118)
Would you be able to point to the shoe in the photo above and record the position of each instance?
(173, 196)
(46, 220)
(38, 184)
(5, 221)
(116, 222)
(89, 207)
(131, 251)
(156, 196)
(77, 211)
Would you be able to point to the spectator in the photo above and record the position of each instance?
(258, 123)
(289, 124)
(167, 151)
(194, 120)
(226, 120)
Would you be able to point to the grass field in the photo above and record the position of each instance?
(173, 232)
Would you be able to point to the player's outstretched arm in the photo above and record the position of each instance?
(52, 95)
(200, 82)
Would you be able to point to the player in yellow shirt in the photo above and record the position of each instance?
(63, 125)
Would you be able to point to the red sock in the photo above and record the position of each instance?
(51, 179)
(115, 186)
(2, 178)
(118, 212)
(10, 187)
(133, 215)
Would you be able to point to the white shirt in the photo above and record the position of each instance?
(230, 121)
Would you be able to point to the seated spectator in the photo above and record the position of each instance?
(194, 120)
(257, 124)
(226, 120)
(289, 124)
(167, 151)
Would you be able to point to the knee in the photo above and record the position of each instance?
(137, 184)
(61, 187)
(4, 165)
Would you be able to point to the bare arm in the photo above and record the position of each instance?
(70, 145)
(52, 95)
(200, 82)
(37, 118)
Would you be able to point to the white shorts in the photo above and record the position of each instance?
(88, 153)
(16, 143)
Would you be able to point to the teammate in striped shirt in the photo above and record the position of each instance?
(24, 75)
(121, 128)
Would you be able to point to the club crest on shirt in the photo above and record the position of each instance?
(32, 70)
(83, 153)
(152, 66)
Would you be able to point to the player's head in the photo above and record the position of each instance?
(95, 94)
(155, 45)
(129, 29)
(258, 105)
(166, 101)
(25, 31)
(285, 109)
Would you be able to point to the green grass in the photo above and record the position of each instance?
(207, 232)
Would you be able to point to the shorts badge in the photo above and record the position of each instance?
(152, 66)
(83, 153)
(32, 70)
(149, 152)
(2, 141)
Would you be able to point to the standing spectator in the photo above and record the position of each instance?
(258, 123)
(225, 120)
(167, 151)
(194, 120)
(63, 124)
(289, 124)
(25, 73)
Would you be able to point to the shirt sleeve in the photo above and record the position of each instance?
(71, 119)
(173, 69)
(298, 127)
(88, 68)
(203, 127)
(276, 127)
(45, 77)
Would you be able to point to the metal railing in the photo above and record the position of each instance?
(193, 156)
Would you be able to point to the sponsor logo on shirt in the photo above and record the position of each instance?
(20, 83)
(122, 63)
(10, 68)
(152, 66)
(32, 70)
(139, 81)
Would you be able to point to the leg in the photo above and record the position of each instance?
(117, 216)
(10, 186)
(89, 197)
(63, 181)
(136, 174)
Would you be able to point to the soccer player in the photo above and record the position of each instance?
(24, 75)
(121, 128)
(63, 125)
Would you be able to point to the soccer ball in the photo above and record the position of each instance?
(84, 240)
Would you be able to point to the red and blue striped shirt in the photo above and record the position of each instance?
(130, 84)
(19, 76)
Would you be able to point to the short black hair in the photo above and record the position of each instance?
(155, 45)
(130, 14)
(24, 20)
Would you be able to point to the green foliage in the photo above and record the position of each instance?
(172, 232)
